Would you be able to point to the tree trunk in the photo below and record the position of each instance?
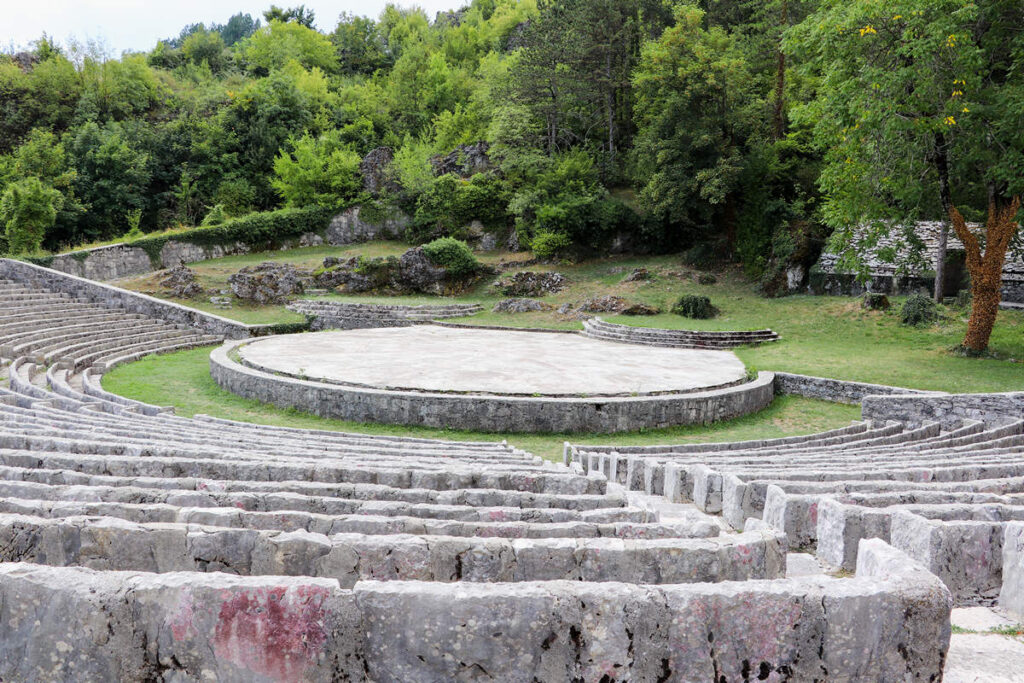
(986, 268)
(940, 262)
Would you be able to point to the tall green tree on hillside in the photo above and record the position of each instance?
(696, 108)
(921, 110)
(27, 210)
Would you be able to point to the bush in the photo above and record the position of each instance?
(453, 255)
(548, 245)
(696, 307)
(964, 298)
(919, 310)
(216, 216)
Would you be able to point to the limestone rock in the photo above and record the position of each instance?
(640, 309)
(605, 304)
(638, 275)
(375, 169)
(519, 306)
(875, 302)
(181, 283)
(464, 160)
(268, 283)
(529, 283)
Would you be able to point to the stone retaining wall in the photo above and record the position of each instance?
(889, 623)
(835, 390)
(491, 413)
(124, 260)
(133, 302)
(949, 409)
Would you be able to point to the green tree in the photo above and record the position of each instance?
(919, 110)
(205, 46)
(111, 179)
(362, 45)
(317, 172)
(696, 109)
(280, 42)
(298, 15)
(28, 209)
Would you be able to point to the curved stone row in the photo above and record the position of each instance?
(53, 327)
(945, 496)
(139, 545)
(330, 315)
(677, 339)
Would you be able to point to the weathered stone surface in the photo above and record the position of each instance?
(640, 309)
(268, 283)
(519, 306)
(350, 227)
(604, 304)
(875, 302)
(376, 171)
(638, 275)
(531, 284)
(838, 391)
(949, 409)
(412, 273)
(181, 283)
(464, 160)
(1011, 594)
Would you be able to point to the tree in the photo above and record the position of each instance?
(274, 45)
(317, 172)
(28, 209)
(696, 108)
(239, 26)
(362, 45)
(112, 179)
(299, 15)
(919, 109)
(205, 46)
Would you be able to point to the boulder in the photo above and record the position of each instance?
(375, 169)
(180, 283)
(638, 275)
(268, 283)
(875, 302)
(529, 283)
(640, 309)
(412, 273)
(605, 304)
(463, 161)
(519, 306)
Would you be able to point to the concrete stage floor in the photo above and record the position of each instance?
(497, 362)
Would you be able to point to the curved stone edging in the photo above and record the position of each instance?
(489, 413)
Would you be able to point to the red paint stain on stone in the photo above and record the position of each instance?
(181, 621)
(272, 631)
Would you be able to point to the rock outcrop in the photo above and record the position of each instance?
(268, 283)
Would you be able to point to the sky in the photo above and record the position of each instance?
(138, 24)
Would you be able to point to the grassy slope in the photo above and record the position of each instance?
(183, 381)
(828, 336)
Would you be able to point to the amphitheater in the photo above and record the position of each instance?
(137, 545)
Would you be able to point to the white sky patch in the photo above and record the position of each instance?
(136, 25)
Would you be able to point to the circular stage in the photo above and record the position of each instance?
(494, 362)
(490, 380)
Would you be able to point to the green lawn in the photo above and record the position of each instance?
(183, 380)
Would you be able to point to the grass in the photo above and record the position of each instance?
(183, 380)
(826, 336)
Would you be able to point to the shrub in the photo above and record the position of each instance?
(696, 307)
(874, 301)
(28, 209)
(453, 255)
(549, 245)
(216, 216)
(919, 310)
(134, 231)
(963, 299)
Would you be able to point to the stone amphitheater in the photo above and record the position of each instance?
(137, 545)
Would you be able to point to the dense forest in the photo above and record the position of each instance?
(747, 130)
